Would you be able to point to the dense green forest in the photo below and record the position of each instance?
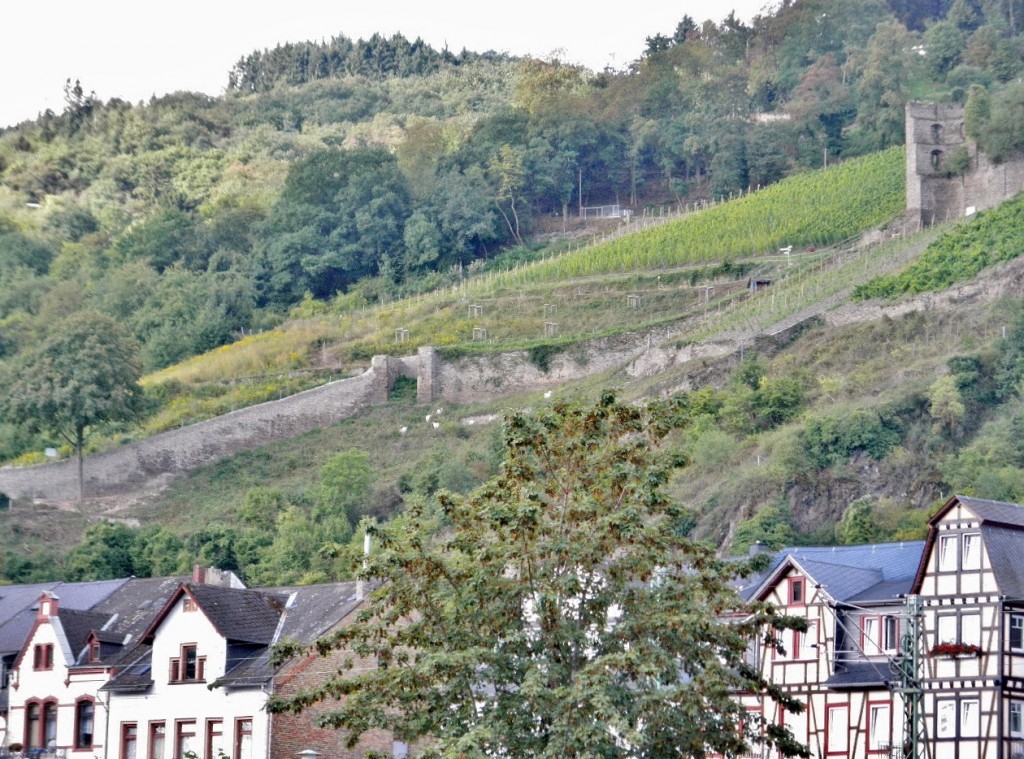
(342, 174)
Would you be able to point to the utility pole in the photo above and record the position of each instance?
(909, 670)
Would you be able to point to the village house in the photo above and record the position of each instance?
(168, 668)
(911, 649)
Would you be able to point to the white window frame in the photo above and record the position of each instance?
(890, 633)
(970, 629)
(970, 718)
(1016, 631)
(948, 560)
(838, 726)
(1016, 719)
(879, 726)
(971, 553)
(809, 641)
(871, 634)
(945, 718)
(946, 629)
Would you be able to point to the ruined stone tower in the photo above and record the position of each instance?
(934, 133)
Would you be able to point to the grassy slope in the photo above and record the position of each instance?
(732, 476)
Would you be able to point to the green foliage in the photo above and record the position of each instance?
(107, 551)
(773, 402)
(959, 254)
(560, 602)
(345, 482)
(831, 440)
(859, 523)
(772, 525)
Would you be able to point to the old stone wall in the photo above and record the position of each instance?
(151, 463)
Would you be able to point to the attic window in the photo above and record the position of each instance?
(189, 604)
(189, 667)
(42, 656)
(94, 650)
(796, 591)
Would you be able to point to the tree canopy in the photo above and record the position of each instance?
(560, 612)
(85, 374)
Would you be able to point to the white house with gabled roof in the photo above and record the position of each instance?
(162, 705)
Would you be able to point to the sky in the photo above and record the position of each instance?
(132, 50)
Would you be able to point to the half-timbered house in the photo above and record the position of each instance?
(971, 589)
(850, 598)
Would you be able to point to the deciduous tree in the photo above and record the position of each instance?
(561, 613)
(83, 376)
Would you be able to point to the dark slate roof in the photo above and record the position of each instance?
(310, 611)
(1005, 547)
(136, 674)
(18, 605)
(997, 512)
(314, 609)
(77, 626)
(246, 616)
(875, 572)
(860, 675)
(135, 604)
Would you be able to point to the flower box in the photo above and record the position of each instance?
(955, 650)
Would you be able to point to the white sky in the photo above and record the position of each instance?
(133, 49)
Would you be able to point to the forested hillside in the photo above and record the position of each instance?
(338, 175)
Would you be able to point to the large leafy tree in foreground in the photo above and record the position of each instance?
(83, 376)
(559, 611)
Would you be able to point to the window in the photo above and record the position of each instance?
(796, 591)
(40, 724)
(243, 738)
(945, 719)
(936, 132)
(972, 551)
(970, 629)
(1017, 719)
(42, 656)
(962, 628)
(85, 713)
(94, 650)
(189, 667)
(188, 604)
(958, 718)
(157, 740)
(936, 159)
(837, 726)
(890, 634)
(214, 738)
(32, 725)
(1017, 632)
(809, 641)
(970, 718)
(49, 723)
(879, 727)
(129, 740)
(948, 553)
(871, 634)
(185, 738)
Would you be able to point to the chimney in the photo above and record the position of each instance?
(198, 574)
(756, 548)
(47, 605)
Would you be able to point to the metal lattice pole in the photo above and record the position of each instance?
(909, 669)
